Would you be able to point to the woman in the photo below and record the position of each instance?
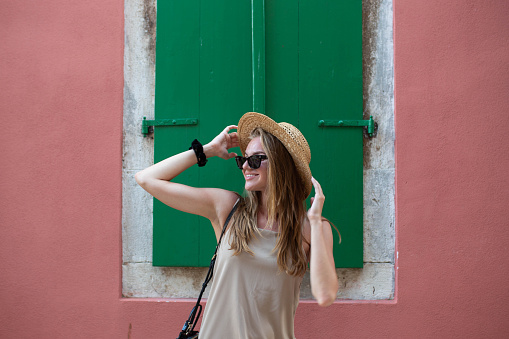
(270, 238)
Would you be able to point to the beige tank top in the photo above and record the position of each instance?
(249, 297)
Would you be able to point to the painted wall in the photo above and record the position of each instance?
(61, 102)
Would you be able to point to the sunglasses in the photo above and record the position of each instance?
(253, 161)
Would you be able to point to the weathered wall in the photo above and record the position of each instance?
(374, 281)
(61, 100)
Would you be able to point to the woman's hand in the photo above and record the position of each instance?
(220, 145)
(315, 211)
(323, 278)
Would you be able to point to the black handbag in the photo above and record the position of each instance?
(188, 331)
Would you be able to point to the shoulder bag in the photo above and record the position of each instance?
(188, 331)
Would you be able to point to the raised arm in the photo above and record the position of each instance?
(207, 202)
(324, 281)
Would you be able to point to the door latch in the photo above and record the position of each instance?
(147, 126)
(370, 126)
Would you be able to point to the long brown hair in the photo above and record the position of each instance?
(286, 206)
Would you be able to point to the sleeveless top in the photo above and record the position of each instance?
(249, 296)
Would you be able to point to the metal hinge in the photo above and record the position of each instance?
(147, 126)
(370, 126)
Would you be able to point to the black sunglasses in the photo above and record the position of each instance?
(253, 161)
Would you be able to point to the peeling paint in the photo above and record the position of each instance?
(150, 19)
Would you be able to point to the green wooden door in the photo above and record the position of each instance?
(301, 62)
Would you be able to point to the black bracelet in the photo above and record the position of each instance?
(198, 150)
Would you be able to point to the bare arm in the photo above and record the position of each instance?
(324, 281)
(207, 202)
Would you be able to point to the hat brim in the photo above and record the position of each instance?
(299, 152)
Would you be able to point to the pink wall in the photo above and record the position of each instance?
(61, 71)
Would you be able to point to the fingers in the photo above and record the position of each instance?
(230, 127)
(234, 137)
(318, 188)
(232, 140)
(315, 211)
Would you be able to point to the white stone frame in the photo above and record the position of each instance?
(376, 281)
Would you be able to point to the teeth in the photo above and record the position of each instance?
(250, 175)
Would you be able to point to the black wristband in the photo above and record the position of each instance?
(198, 150)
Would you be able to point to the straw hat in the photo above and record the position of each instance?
(288, 134)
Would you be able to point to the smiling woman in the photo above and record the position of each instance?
(270, 237)
(255, 168)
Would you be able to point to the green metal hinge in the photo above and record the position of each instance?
(147, 126)
(370, 126)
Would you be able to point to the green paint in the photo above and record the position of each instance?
(258, 54)
(311, 71)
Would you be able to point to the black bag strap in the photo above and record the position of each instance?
(196, 311)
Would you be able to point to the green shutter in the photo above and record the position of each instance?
(313, 71)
